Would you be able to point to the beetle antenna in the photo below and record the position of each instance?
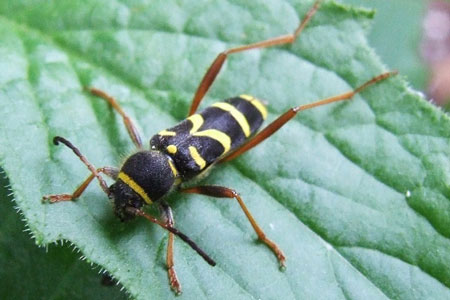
(193, 245)
(175, 231)
(58, 139)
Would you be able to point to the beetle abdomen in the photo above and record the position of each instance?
(200, 140)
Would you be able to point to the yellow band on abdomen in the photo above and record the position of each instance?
(257, 104)
(236, 114)
(217, 135)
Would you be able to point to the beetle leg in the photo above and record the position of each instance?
(185, 238)
(110, 171)
(224, 192)
(217, 64)
(131, 128)
(292, 112)
(173, 278)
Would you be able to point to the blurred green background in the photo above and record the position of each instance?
(413, 36)
(396, 36)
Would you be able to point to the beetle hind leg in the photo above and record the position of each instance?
(292, 112)
(224, 192)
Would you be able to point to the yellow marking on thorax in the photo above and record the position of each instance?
(217, 135)
(256, 103)
(135, 187)
(167, 133)
(197, 121)
(172, 167)
(172, 149)
(236, 114)
(197, 157)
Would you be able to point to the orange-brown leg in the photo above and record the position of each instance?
(95, 173)
(109, 171)
(172, 274)
(223, 192)
(217, 64)
(131, 128)
(292, 112)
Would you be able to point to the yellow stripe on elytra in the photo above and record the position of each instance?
(172, 149)
(236, 114)
(256, 103)
(135, 187)
(222, 138)
(172, 167)
(167, 133)
(197, 157)
(217, 135)
(197, 121)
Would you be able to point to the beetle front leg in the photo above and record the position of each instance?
(109, 171)
(172, 274)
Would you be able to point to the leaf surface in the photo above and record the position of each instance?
(29, 272)
(355, 193)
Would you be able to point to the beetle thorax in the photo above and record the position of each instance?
(145, 177)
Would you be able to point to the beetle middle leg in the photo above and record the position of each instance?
(224, 192)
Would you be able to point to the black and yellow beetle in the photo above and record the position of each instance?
(217, 134)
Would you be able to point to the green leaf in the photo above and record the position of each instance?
(29, 272)
(396, 21)
(356, 194)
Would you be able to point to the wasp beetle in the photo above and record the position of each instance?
(219, 133)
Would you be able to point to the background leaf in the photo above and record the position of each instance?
(29, 272)
(396, 35)
(355, 193)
